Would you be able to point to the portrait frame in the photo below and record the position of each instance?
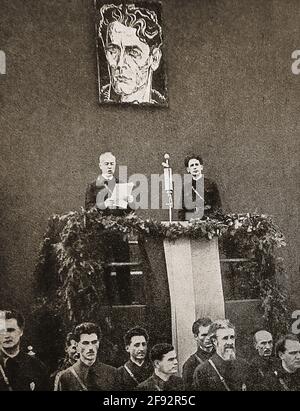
(112, 92)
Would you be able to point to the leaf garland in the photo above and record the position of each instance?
(72, 258)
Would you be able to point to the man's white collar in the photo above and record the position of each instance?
(286, 368)
(10, 355)
(197, 177)
(139, 364)
(107, 176)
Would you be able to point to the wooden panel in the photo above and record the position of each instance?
(195, 284)
(156, 289)
(183, 308)
(246, 315)
(208, 290)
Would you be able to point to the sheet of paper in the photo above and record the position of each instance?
(121, 193)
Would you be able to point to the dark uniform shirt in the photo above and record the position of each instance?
(262, 376)
(131, 374)
(286, 381)
(62, 365)
(155, 383)
(191, 364)
(80, 377)
(192, 201)
(235, 374)
(24, 373)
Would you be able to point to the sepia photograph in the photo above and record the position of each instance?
(149, 198)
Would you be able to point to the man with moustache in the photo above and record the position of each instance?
(19, 371)
(137, 369)
(263, 363)
(287, 372)
(223, 371)
(87, 374)
(204, 352)
(164, 360)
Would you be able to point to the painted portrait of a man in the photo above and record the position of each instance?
(130, 41)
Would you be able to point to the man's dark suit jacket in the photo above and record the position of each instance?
(100, 377)
(154, 383)
(212, 199)
(263, 373)
(285, 380)
(235, 373)
(126, 381)
(25, 373)
(191, 364)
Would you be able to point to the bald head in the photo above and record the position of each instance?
(263, 343)
(107, 164)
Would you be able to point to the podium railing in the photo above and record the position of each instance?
(72, 260)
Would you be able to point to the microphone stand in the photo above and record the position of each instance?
(168, 184)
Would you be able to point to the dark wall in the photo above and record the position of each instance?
(232, 96)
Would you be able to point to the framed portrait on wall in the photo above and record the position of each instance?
(130, 53)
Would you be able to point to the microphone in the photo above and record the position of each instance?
(108, 189)
(168, 180)
(166, 163)
(167, 174)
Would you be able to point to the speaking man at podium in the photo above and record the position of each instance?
(106, 191)
(111, 197)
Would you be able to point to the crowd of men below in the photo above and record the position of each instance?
(215, 365)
